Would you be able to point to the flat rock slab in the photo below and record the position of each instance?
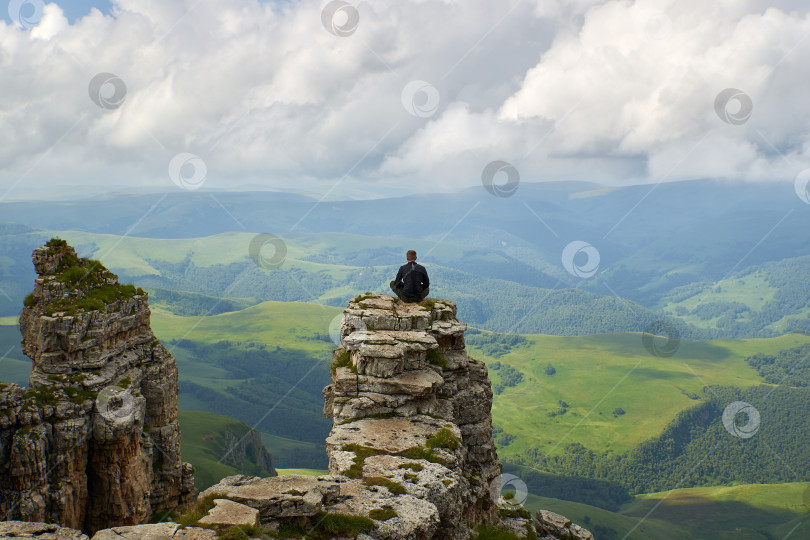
(227, 512)
(389, 435)
(290, 495)
(383, 312)
(155, 531)
(41, 531)
(413, 383)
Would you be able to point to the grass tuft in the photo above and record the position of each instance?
(437, 358)
(382, 514)
(444, 438)
(342, 358)
(360, 455)
(394, 487)
(420, 452)
(328, 525)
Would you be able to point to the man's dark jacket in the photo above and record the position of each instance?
(413, 279)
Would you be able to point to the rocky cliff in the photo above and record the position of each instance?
(405, 388)
(94, 442)
(411, 455)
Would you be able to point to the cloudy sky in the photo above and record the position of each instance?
(393, 96)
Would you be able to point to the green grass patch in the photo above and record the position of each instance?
(444, 438)
(518, 512)
(436, 358)
(328, 524)
(342, 358)
(360, 455)
(416, 467)
(360, 298)
(190, 515)
(241, 532)
(96, 298)
(305, 472)
(382, 514)
(394, 487)
(79, 395)
(494, 533)
(420, 452)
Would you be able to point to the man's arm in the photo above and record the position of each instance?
(427, 279)
(398, 279)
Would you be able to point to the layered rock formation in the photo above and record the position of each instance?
(411, 454)
(411, 447)
(409, 390)
(95, 441)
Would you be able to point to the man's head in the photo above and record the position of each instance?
(411, 255)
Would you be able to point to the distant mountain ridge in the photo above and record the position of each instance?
(653, 241)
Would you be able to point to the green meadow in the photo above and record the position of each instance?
(747, 512)
(595, 375)
(280, 324)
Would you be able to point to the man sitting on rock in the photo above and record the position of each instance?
(411, 283)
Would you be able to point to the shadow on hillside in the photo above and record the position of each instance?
(709, 518)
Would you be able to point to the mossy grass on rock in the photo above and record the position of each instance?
(69, 284)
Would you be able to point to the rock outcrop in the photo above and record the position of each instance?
(554, 526)
(248, 448)
(411, 454)
(411, 449)
(405, 388)
(94, 442)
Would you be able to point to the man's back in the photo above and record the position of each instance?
(414, 279)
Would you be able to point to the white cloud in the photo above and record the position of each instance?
(612, 91)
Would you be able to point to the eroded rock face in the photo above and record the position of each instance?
(95, 441)
(410, 452)
(408, 394)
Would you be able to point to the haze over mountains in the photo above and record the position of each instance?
(672, 249)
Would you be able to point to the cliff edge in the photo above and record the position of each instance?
(94, 442)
